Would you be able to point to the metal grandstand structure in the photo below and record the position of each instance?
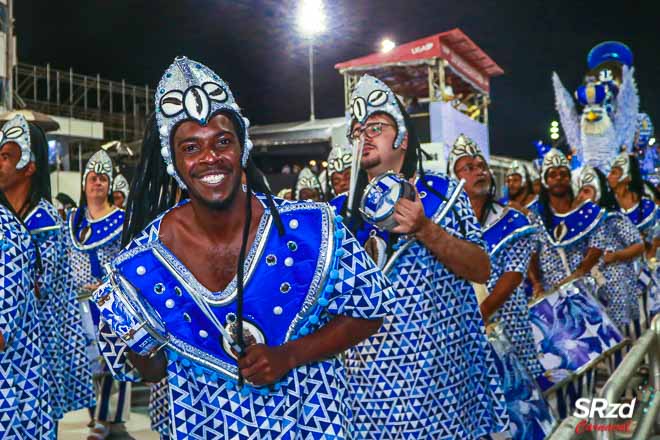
(121, 107)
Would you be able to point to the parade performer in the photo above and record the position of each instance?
(94, 230)
(339, 169)
(620, 291)
(248, 299)
(308, 186)
(510, 238)
(626, 182)
(520, 188)
(25, 411)
(120, 190)
(27, 187)
(574, 236)
(611, 104)
(429, 372)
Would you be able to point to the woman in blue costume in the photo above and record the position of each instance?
(24, 400)
(626, 183)
(510, 237)
(429, 372)
(248, 353)
(619, 290)
(94, 232)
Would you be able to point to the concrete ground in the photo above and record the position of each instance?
(74, 426)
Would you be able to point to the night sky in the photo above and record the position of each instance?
(254, 46)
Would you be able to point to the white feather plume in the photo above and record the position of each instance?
(570, 122)
(627, 108)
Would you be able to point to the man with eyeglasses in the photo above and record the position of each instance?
(574, 236)
(429, 372)
(510, 238)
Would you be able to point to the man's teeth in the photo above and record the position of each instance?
(213, 179)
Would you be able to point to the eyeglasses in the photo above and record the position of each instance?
(371, 130)
(470, 168)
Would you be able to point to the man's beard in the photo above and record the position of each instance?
(369, 162)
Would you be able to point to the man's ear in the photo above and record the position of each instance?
(29, 169)
(404, 142)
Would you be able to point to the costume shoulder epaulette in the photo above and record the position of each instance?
(43, 218)
(504, 226)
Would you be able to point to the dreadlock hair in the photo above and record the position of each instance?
(636, 184)
(607, 199)
(40, 183)
(544, 202)
(152, 190)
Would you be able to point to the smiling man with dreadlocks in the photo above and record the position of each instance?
(241, 300)
(25, 180)
(429, 372)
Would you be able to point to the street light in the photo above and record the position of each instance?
(387, 45)
(311, 22)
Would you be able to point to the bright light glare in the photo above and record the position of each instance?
(324, 164)
(554, 129)
(554, 136)
(387, 45)
(311, 17)
(312, 163)
(554, 124)
(652, 141)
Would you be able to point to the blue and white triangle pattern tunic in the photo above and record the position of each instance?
(621, 289)
(562, 248)
(310, 402)
(510, 238)
(70, 378)
(429, 372)
(92, 244)
(24, 400)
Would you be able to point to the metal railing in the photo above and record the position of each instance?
(120, 106)
(645, 348)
